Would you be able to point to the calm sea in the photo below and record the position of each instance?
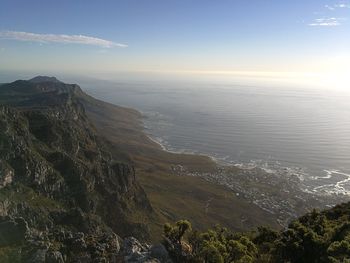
(305, 131)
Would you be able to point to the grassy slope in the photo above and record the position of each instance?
(173, 197)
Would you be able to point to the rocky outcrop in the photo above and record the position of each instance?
(64, 245)
(133, 251)
(6, 174)
(57, 176)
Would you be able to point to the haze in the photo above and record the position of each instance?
(307, 41)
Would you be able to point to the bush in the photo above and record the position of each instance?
(316, 237)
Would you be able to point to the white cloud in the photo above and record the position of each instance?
(65, 39)
(342, 5)
(332, 21)
(339, 5)
(329, 7)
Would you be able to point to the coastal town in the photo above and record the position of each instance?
(280, 193)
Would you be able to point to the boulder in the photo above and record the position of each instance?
(159, 252)
(136, 252)
(131, 245)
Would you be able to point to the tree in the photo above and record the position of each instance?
(173, 240)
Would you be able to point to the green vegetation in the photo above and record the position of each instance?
(315, 237)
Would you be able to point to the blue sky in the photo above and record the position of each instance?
(175, 36)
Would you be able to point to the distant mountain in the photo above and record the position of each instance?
(40, 79)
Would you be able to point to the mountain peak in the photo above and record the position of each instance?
(40, 79)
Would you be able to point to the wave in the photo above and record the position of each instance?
(332, 182)
(334, 187)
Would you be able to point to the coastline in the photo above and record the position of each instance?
(149, 136)
(164, 148)
(254, 164)
(246, 174)
(179, 183)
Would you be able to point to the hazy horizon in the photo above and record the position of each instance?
(304, 41)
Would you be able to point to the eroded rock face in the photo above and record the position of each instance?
(57, 174)
(6, 174)
(134, 251)
(73, 247)
(54, 257)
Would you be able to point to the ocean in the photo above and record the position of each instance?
(279, 127)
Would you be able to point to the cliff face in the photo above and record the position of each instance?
(58, 181)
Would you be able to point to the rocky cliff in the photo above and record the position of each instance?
(63, 196)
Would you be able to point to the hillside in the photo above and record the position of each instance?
(58, 181)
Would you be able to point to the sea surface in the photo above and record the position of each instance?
(282, 128)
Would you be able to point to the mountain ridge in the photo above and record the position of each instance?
(58, 177)
(40, 79)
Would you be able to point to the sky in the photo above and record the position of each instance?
(183, 36)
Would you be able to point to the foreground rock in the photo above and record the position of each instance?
(134, 251)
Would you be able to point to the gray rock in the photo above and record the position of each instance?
(6, 174)
(159, 252)
(100, 260)
(39, 256)
(12, 231)
(54, 257)
(79, 244)
(113, 243)
(79, 235)
(136, 252)
(131, 245)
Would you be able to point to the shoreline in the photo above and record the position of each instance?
(253, 164)
(164, 148)
(151, 137)
(216, 160)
